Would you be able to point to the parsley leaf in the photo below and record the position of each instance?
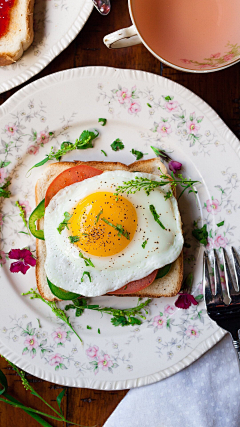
(89, 327)
(73, 239)
(156, 216)
(119, 228)
(87, 274)
(201, 234)
(144, 244)
(137, 153)
(64, 223)
(117, 145)
(102, 121)
(87, 261)
(220, 224)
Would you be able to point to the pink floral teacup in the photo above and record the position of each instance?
(197, 36)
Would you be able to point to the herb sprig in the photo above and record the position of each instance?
(23, 216)
(87, 261)
(56, 310)
(140, 183)
(119, 228)
(84, 141)
(120, 317)
(3, 190)
(64, 223)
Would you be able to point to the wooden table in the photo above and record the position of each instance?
(221, 90)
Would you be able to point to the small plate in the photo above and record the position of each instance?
(56, 24)
(142, 109)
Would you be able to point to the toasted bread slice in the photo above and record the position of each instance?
(20, 32)
(166, 286)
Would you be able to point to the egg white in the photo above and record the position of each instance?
(65, 268)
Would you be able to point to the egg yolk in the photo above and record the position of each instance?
(104, 225)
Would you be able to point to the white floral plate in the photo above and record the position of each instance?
(56, 24)
(142, 109)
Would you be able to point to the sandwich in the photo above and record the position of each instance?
(96, 236)
(16, 29)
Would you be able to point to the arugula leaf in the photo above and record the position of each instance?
(98, 216)
(117, 145)
(87, 261)
(104, 152)
(3, 190)
(144, 244)
(119, 228)
(201, 234)
(65, 222)
(156, 216)
(137, 153)
(220, 224)
(102, 121)
(87, 274)
(73, 239)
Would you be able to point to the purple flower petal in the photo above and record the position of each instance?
(30, 260)
(185, 300)
(15, 254)
(19, 267)
(174, 166)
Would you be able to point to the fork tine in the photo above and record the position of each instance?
(228, 278)
(217, 279)
(206, 280)
(236, 267)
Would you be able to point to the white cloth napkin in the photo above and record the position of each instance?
(205, 394)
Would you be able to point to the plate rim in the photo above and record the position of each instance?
(218, 334)
(51, 54)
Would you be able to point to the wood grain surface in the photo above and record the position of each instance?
(221, 90)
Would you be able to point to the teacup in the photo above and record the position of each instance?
(197, 36)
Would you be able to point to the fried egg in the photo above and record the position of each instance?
(108, 241)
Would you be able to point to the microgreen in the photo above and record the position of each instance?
(87, 261)
(89, 327)
(119, 228)
(84, 141)
(120, 317)
(98, 216)
(102, 121)
(56, 310)
(87, 274)
(201, 234)
(104, 152)
(156, 216)
(64, 223)
(73, 239)
(144, 244)
(220, 224)
(22, 214)
(3, 190)
(117, 145)
(137, 153)
(140, 183)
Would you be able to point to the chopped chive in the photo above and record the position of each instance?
(156, 216)
(89, 327)
(87, 274)
(220, 224)
(144, 244)
(104, 152)
(98, 216)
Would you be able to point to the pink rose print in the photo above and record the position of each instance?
(215, 55)
(169, 309)
(59, 336)
(220, 242)
(228, 57)
(134, 108)
(92, 352)
(33, 149)
(10, 129)
(213, 206)
(164, 128)
(25, 205)
(186, 61)
(3, 175)
(192, 332)
(105, 362)
(2, 258)
(1, 220)
(210, 244)
(42, 137)
(159, 321)
(171, 106)
(205, 66)
(123, 95)
(193, 126)
(55, 360)
(31, 342)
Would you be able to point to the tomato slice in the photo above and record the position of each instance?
(68, 177)
(136, 285)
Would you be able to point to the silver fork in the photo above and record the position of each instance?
(227, 316)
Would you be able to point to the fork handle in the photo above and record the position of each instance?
(236, 344)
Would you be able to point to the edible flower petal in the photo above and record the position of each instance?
(25, 260)
(174, 166)
(185, 300)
